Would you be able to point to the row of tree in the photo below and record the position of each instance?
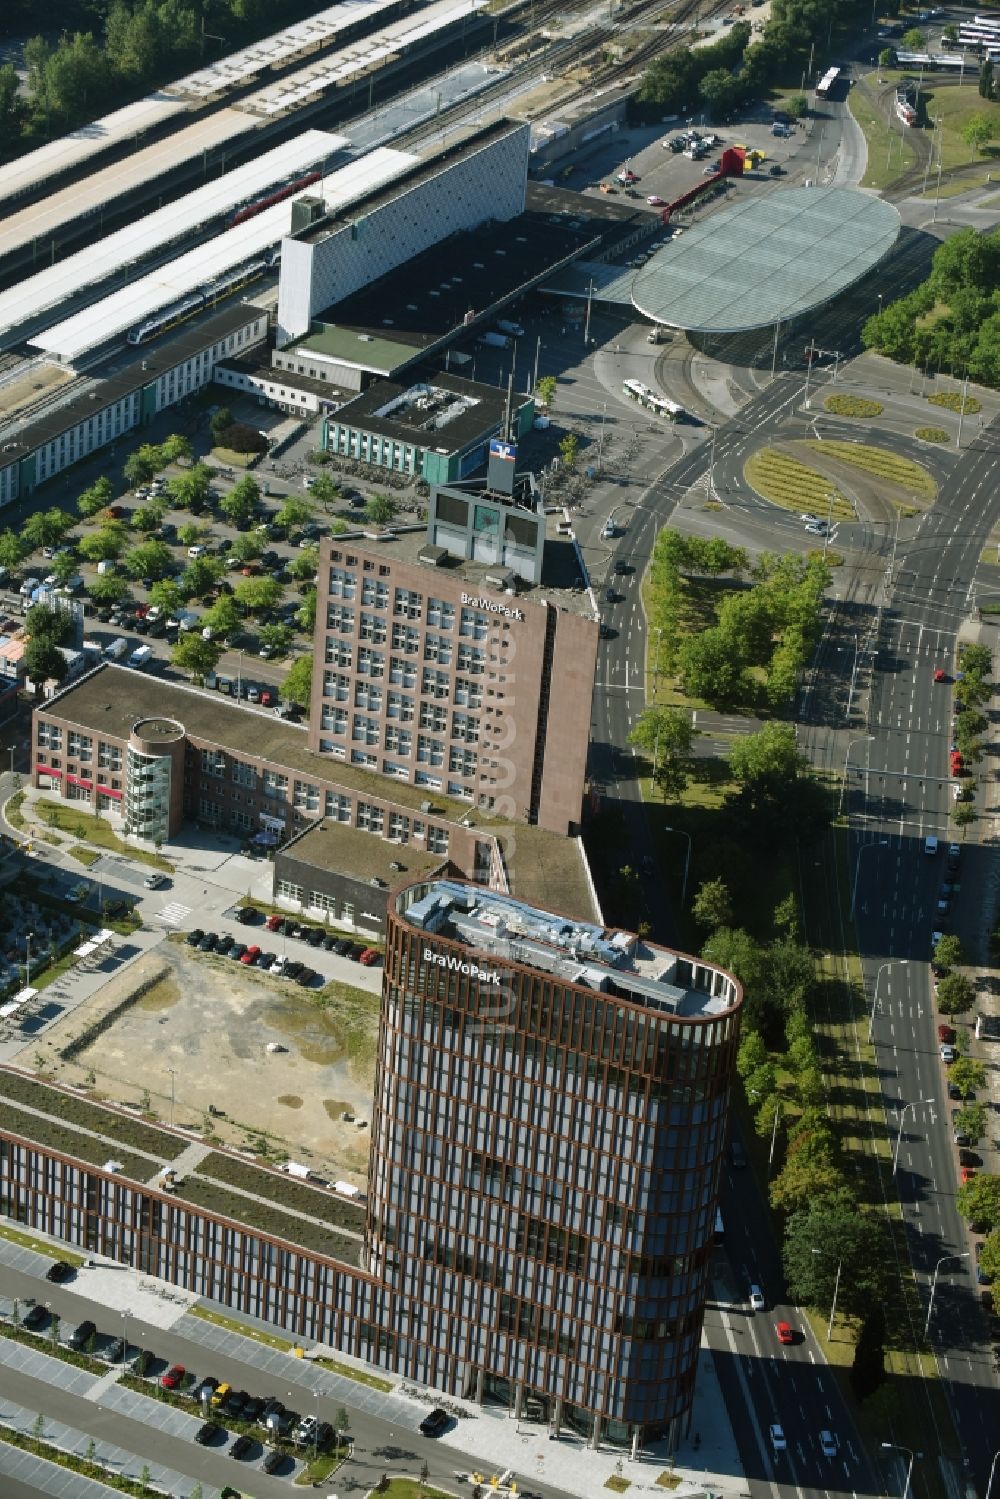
(952, 320)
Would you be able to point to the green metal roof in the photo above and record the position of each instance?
(766, 260)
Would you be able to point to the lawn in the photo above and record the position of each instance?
(891, 468)
(409, 1488)
(890, 153)
(90, 828)
(955, 107)
(784, 481)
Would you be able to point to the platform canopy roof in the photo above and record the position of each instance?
(767, 259)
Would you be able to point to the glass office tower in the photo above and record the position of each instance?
(550, 1118)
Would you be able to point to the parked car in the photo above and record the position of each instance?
(370, 956)
(241, 1446)
(250, 956)
(155, 881)
(305, 977)
(115, 1353)
(207, 1432)
(172, 1379)
(434, 1424)
(35, 1317)
(81, 1336)
(246, 915)
(236, 952)
(274, 1460)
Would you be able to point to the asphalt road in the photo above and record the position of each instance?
(904, 794)
(368, 1432)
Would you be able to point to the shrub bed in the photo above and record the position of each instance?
(931, 434)
(66, 1106)
(853, 406)
(44, 1344)
(952, 401)
(283, 1190)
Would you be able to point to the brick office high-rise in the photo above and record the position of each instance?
(550, 1115)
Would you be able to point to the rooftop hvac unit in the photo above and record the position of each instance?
(426, 806)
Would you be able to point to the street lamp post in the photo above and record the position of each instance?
(895, 1447)
(124, 1337)
(687, 861)
(882, 843)
(917, 1103)
(836, 1293)
(173, 1077)
(27, 959)
(930, 1305)
(861, 739)
(882, 967)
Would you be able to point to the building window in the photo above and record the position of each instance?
(464, 727)
(334, 720)
(370, 663)
(338, 806)
(368, 696)
(275, 784)
(374, 629)
(429, 751)
(435, 683)
(399, 741)
(402, 673)
(433, 717)
(213, 762)
(462, 762)
(305, 797)
(408, 604)
(437, 840)
(50, 736)
(365, 730)
(474, 626)
(423, 778)
(338, 653)
(437, 648)
(375, 595)
(370, 817)
(400, 707)
(405, 638)
(399, 827)
(337, 686)
(440, 614)
(340, 618)
(244, 775)
(471, 659)
(109, 756)
(289, 891)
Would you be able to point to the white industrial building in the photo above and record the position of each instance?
(482, 177)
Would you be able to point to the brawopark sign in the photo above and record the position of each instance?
(491, 606)
(472, 970)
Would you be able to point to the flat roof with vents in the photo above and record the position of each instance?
(766, 260)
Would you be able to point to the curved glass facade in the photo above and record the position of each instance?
(550, 1117)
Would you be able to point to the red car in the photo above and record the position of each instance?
(251, 955)
(784, 1332)
(967, 1173)
(273, 922)
(957, 765)
(946, 1034)
(266, 698)
(141, 610)
(173, 1376)
(369, 956)
(939, 675)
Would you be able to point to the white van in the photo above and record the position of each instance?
(931, 846)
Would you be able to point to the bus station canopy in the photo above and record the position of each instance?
(766, 260)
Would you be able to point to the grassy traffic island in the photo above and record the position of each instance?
(821, 475)
(91, 829)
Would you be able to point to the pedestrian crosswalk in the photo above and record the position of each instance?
(174, 913)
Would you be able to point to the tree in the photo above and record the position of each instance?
(786, 916)
(986, 84)
(341, 1424)
(149, 517)
(967, 1075)
(97, 497)
(142, 465)
(9, 102)
(712, 669)
(949, 33)
(294, 512)
(381, 510)
(303, 567)
(12, 550)
(53, 625)
(802, 1183)
(887, 57)
(194, 654)
(989, 1260)
(569, 450)
(721, 93)
(224, 618)
(666, 733)
(734, 949)
(297, 686)
(797, 106)
(305, 615)
(771, 754)
(971, 1120)
(949, 952)
(174, 449)
(868, 1370)
(38, 1430)
(240, 504)
(978, 133)
(277, 638)
(846, 1237)
(914, 40)
(955, 994)
(191, 490)
(978, 1201)
(325, 491)
(242, 438)
(751, 1055)
(105, 544)
(545, 390)
(201, 574)
(166, 596)
(221, 419)
(144, 1477)
(977, 661)
(189, 533)
(257, 594)
(43, 661)
(45, 528)
(153, 559)
(713, 906)
(246, 547)
(108, 590)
